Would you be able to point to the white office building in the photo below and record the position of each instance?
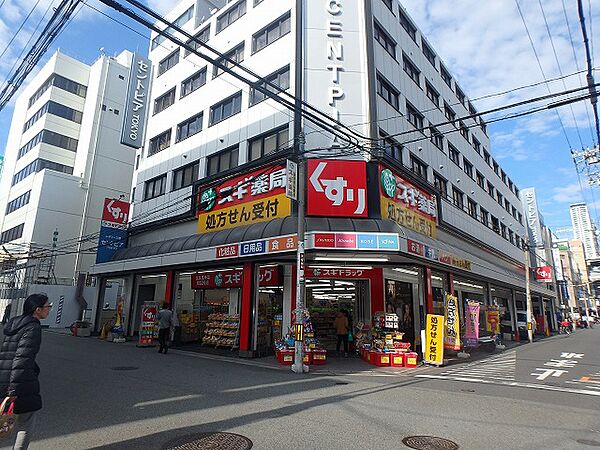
(62, 158)
(584, 229)
(365, 63)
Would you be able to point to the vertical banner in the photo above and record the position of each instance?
(113, 229)
(148, 324)
(291, 187)
(493, 319)
(136, 102)
(472, 324)
(452, 334)
(434, 334)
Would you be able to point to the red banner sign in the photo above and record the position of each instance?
(233, 278)
(115, 212)
(337, 188)
(543, 273)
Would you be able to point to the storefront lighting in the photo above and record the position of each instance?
(409, 272)
(343, 289)
(144, 277)
(331, 258)
(461, 283)
(345, 267)
(433, 277)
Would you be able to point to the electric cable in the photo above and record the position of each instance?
(20, 28)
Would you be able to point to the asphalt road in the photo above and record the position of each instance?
(490, 405)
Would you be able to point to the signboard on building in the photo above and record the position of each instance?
(337, 188)
(233, 278)
(355, 241)
(291, 189)
(339, 273)
(406, 204)
(543, 273)
(258, 196)
(137, 102)
(260, 247)
(534, 228)
(452, 329)
(113, 229)
(434, 335)
(434, 254)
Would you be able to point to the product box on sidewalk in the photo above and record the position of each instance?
(380, 359)
(308, 359)
(410, 359)
(319, 357)
(397, 359)
(285, 357)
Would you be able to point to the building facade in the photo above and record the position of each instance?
(414, 209)
(63, 158)
(584, 229)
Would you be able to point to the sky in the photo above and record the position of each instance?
(485, 45)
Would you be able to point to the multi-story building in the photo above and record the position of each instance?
(63, 157)
(420, 177)
(584, 229)
(583, 290)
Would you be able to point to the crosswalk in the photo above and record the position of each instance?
(501, 367)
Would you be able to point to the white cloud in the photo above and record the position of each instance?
(570, 193)
(162, 6)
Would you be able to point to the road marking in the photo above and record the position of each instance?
(265, 385)
(512, 384)
(494, 367)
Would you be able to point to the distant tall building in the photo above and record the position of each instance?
(583, 229)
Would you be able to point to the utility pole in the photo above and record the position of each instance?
(299, 366)
(530, 317)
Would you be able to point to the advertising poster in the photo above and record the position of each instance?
(148, 324)
(452, 334)
(493, 319)
(472, 324)
(434, 333)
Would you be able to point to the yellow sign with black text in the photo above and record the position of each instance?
(434, 339)
(406, 217)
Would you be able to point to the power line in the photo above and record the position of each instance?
(541, 69)
(19, 29)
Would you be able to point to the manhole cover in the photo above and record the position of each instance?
(124, 368)
(206, 441)
(589, 442)
(429, 443)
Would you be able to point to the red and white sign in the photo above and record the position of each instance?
(233, 278)
(115, 213)
(228, 251)
(338, 273)
(337, 188)
(543, 273)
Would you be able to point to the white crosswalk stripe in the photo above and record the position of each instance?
(501, 367)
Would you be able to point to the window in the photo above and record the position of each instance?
(507, 205)
(18, 202)
(503, 176)
(280, 78)
(60, 82)
(411, 69)
(486, 156)
(460, 95)
(454, 154)
(185, 176)
(37, 166)
(193, 83)
(418, 167)
(133, 194)
(223, 161)
(484, 216)
(490, 189)
(496, 167)
(436, 138)
(12, 234)
(510, 185)
(268, 144)
(495, 224)
(189, 127)
(516, 191)
(388, 3)
(483, 126)
(514, 212)
(168, 63)
(51, 138)
(199, 38)
(390, 94)
(511, 236)
(159, 143)
(499, 197)
(155, 187)
(414, 117)
(227, 108)
(449, 113)
(468, 167)
(440, 183)
(428, 52)
(257, 2)
(233, 14)
(55, 109)
(472, 208)
(236, 55)
(476, 145)
(271, 33)
(521, 218)
(432, 94)
(384, 39)
(464, 131)
(480, 180)
(179, 22)
(458, 198)
(391, 147)
(472, 110)
(446, 76)
(503, 230)
(407, 25)
(164, 101)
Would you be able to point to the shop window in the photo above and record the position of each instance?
(150, 290)
(399, 300)
(439, 283)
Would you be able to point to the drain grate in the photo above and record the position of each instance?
(429, 443)
(124, 368)
(589, 442)
(210, 441)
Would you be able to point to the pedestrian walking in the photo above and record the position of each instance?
(18, 370)
(165, 322)
(341, 328)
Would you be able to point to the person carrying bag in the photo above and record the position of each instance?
(18, 369)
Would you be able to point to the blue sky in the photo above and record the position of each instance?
(486, 48)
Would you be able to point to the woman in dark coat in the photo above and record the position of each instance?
(18, 369)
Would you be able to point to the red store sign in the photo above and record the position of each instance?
(115, 211)
(543, 273)
(337, 188)
(268, 276)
